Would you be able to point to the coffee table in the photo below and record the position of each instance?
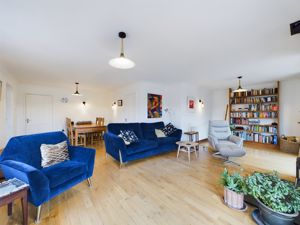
(187, 146)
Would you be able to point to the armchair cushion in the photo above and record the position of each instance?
(62, 172)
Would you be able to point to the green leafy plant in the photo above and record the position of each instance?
(234, 182)
(279, 195)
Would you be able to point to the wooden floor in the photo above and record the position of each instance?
(158, 190)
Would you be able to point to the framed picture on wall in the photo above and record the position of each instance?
(191, 104)
(154, 107)
(120, 103)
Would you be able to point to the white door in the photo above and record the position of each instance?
(39, 113)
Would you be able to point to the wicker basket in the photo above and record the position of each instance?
(290, 146)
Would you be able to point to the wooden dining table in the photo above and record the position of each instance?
(86, 129)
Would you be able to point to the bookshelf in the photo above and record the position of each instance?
(254, 115)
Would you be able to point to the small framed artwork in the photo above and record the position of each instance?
(191, 104)
(120, 103)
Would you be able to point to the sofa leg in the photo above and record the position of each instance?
(38, 214)
(89, 182)
(121, 160)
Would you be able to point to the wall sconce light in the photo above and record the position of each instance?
(114, 105)
(84, 103)
(201, 103)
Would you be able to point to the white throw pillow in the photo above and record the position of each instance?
(126, 142)
(159, 133)
(53, 154)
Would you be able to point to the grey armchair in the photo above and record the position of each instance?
(223, 142)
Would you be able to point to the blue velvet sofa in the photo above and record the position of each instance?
(21, 158)
(148, 144)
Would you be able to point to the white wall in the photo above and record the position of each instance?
(174, 99)
(290, 107)
(6, 78)
(97, 104)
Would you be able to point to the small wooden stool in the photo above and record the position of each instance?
(187, 146)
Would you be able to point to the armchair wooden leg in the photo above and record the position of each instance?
(89, 182)
(38, 214)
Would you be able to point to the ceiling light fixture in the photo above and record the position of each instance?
(76, 93)
(240, 89)
(122, 62)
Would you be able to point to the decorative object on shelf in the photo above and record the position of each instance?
(76, 93)
(84, 103)
(278, 200)
(234, 189)
(120, 103)
(154, 107)
(64, 100)
(191, 107)
(122, 62)
(240, 89)
(201, 103)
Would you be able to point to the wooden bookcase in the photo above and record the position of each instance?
(254, 115)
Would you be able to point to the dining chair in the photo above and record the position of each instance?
(71, 134)
(98, 136)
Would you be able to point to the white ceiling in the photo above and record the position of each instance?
(207, 42)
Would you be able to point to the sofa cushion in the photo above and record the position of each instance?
(141, 146)
(148, 129)
(115, 128)
(169, 129)
(128, 136)
(63, 172)
(167, 140)
(53, 154)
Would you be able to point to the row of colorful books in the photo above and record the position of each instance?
(257, 128)
(255, 100)
(255, 137)
(265, 91)
(254, 114)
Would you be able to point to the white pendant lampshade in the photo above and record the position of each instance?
(122, 62)
(240, 89)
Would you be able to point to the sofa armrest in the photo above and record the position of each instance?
(177, 134)
(38, 182)
(213, 141)
(113, 145)
(85, 155)
(237, 140)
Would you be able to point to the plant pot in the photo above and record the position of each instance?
(271, 217)
(233, 199)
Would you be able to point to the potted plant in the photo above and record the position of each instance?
(234, 188)
(278, 200)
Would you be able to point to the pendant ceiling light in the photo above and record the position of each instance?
(122, 62)
(76, 93)
(240, 89)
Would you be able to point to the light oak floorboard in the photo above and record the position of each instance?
(159, 190)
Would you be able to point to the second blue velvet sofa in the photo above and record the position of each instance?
(147, 146)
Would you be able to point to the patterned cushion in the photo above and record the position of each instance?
(159, 133)
(169, 129)
(129, 136)
(126, 142)
(53, 154)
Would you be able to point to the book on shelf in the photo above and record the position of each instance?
(256, 92)
(254, 100)
(257, 137)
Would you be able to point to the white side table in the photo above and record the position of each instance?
(187, 146)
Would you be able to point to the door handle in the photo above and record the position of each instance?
(27, 120)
